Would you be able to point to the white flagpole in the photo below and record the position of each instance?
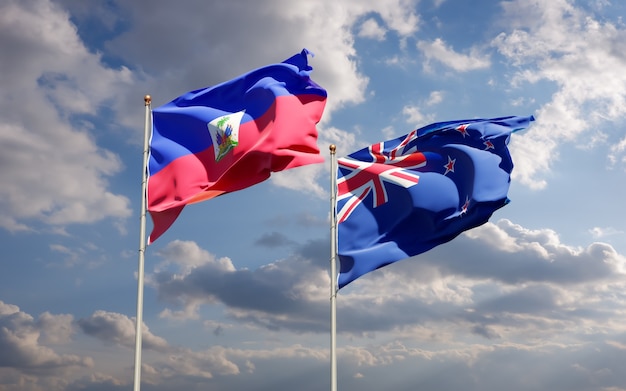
(142, 245)
(333, 268)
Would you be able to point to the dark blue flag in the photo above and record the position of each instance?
(402, 197)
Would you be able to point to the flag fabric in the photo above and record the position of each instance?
(402, 197)
(228, 137)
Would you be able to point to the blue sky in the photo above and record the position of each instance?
(237, 291)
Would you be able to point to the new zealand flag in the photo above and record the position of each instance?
(402, 197)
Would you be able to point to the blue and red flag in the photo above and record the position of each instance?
(402, 197)
(228, 137)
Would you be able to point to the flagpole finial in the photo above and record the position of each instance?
(332, 148)
(147, 99)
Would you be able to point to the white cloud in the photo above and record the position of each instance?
(414, 114)
(303, 179)
(52, 170)
(438, 51)
(56, 328)
(415, 117)
(601, 232)
(435, 98)
(617, 155)
(371, 29)
(345, 141)
(21, 341)
(584, 58)
(119, 329)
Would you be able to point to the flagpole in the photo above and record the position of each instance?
(142, 246)
(333, 268)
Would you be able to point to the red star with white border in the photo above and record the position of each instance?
(462, 129)
(465, 206)
(449, 166)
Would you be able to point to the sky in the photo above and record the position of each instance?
(237, 290)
